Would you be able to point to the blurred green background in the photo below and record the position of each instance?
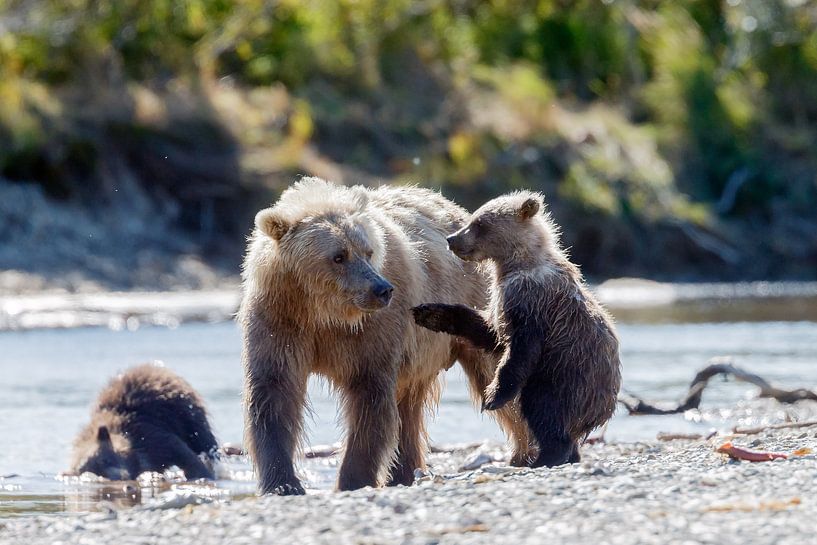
(672, 139)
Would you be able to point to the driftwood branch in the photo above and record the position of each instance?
(637, 406)
(783, 426)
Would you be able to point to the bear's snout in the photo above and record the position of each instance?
(458, 245)
(383, 292)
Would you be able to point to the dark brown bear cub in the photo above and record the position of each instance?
(146, 419)
(556, 345)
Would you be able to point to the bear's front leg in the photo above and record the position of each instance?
(371, 415)
(457, 320)
(273, 421)
(274, 397)
(527, 337)
(513, 369)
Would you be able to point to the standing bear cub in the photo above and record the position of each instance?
(146, 419)
(555, 343)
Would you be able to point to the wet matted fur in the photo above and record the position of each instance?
(146, 419)
(318, 279)
(556, 345)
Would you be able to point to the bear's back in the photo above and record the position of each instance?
(581, 345)
(419, 209)
(155, 397)
(425, 219)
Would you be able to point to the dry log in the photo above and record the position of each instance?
(719, 366)
(321, 451)
(669, 436)
(781, 426)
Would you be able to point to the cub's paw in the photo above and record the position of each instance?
(523, 458)
(496, 396)
(433, 316)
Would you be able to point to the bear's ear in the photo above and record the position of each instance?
(529, 208)
(270, 222)
(360, 196)
(103, 435)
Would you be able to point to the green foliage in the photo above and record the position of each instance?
(639, 110)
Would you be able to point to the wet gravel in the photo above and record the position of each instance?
(675, 492)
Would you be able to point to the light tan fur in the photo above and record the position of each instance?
(303, 313)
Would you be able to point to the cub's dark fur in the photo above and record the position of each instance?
(146, 419)
(557, 347)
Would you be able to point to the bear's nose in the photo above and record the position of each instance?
(383, 292)
(455, 243)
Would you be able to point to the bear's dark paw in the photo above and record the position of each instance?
(401, 476)
(433, 316)
(492, 404)
(496, 397)
(286, 489)
(523, 459)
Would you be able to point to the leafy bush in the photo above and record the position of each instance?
(633, 111)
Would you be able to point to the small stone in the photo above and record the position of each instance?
(475, 460)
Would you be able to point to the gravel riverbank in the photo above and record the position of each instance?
(675, 492)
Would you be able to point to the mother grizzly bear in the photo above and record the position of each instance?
(330, 276)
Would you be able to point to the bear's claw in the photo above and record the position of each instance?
(288, 490)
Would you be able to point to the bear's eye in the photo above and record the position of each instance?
(339, 258)
(369, 254)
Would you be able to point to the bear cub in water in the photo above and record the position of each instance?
(146, 419)
(556, 345)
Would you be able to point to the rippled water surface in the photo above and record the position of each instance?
(49, 378)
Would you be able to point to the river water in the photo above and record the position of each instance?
(49, 378)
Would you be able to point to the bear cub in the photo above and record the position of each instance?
(146, 419)
(557, 347)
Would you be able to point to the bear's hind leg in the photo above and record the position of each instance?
(198, 435)
(188, 461)
(479, 367)
(546, 419)
(413, 439)
(159, 449)
(575, 455)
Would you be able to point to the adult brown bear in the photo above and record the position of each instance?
(330, 276)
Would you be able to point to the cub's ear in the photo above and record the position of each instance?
(360, 196)
(103, 435)
(529, 208)
(270, 222)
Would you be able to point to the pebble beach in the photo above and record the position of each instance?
(657, 492)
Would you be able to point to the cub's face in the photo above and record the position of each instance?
(338, 260)
(102, 459)
(495, 230)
